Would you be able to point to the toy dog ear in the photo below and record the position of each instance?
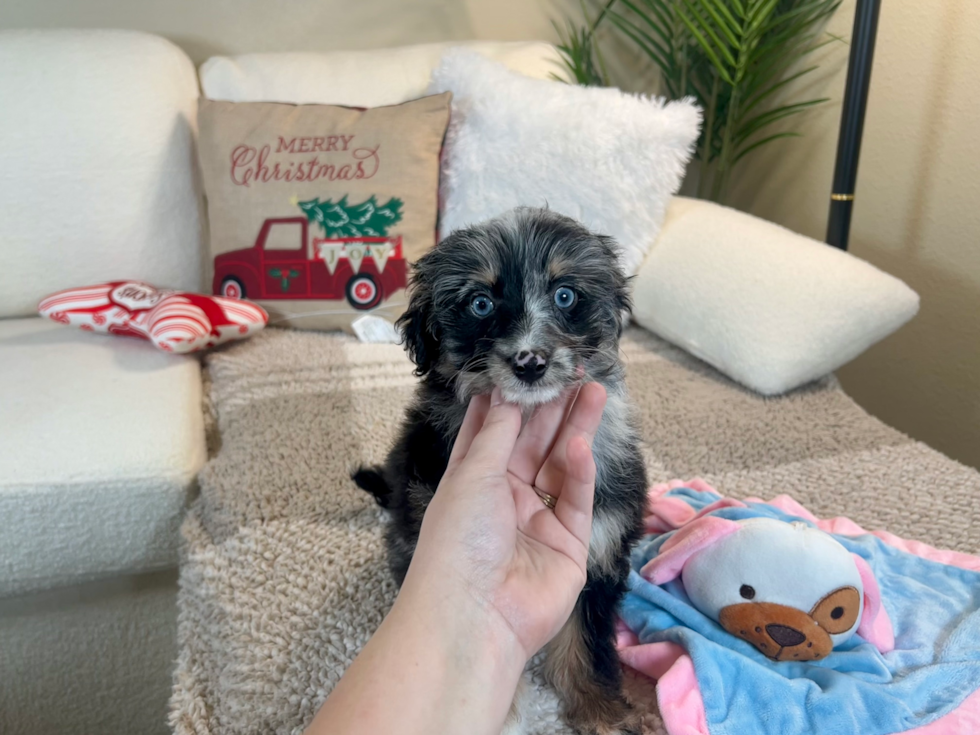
(875, 626)
(417, 325)
(685, 543)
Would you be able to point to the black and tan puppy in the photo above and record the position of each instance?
(528, 302)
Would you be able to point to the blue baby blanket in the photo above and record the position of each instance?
(929, 684)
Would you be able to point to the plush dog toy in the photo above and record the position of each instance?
(789, 589)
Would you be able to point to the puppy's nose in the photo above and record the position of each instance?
(784, 635)
(528, 365)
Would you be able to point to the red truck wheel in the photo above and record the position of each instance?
(232, 288)
(363, 292)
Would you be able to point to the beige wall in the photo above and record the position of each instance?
(208, 27)
(917, 213)
(918, 207)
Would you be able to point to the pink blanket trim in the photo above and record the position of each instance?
(678, 694)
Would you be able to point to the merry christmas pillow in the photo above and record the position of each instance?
(317, 210)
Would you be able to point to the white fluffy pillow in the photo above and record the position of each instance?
(769, 308)
(609, 159)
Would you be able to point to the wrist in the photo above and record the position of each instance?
(464, 619)
(443, 664)
(481, 659)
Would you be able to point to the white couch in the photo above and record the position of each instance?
(101, 437)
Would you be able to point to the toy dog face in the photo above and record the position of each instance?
(789, 589)
(521, 302)
(771, 583)
(786, 633)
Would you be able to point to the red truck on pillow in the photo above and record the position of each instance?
(285, 263)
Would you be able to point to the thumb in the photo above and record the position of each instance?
(491, 448)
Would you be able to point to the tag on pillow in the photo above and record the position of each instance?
(375, 329)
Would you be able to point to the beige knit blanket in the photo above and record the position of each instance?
(283, 577)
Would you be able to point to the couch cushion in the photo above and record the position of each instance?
(102, 437)
(767, 307)
(330, 241)
(511, 144)
(356, 78)
(96, 164)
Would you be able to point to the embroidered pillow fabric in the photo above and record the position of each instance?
(316, 211)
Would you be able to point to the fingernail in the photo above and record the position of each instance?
(497, 397)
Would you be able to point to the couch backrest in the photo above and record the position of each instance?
(98, 175)
(356, 78)
(97, 167)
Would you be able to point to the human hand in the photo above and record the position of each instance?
(488, 543)
(494, 576)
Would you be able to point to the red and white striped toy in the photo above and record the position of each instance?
(174, 321)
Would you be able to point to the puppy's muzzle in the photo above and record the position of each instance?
(529, 365)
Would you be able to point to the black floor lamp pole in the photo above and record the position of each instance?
(852, 121)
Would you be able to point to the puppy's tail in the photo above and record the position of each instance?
(371, 479)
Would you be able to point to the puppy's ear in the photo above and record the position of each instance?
(624, 300)
(417, 325)
(621, 287)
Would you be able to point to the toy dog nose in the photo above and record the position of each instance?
(529, 366)
(784, 635)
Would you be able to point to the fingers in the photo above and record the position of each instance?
(586, 414)
(490, 450)
(491, 432)
(574, 507)
(538, 436)
(583, 421)
(476, 415)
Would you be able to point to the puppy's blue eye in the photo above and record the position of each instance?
(564, 298)
(481, 305)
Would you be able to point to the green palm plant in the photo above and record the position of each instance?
(731, 56)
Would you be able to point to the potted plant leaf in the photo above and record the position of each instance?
(732, 56)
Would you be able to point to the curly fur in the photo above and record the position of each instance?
(518, 261)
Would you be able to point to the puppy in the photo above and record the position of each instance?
(529, 302)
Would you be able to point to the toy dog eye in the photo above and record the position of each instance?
(481, 305)
(838, 611)
(564, 298)
(747, 592)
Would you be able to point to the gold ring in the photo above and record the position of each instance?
(842, 197)
(549, 500)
